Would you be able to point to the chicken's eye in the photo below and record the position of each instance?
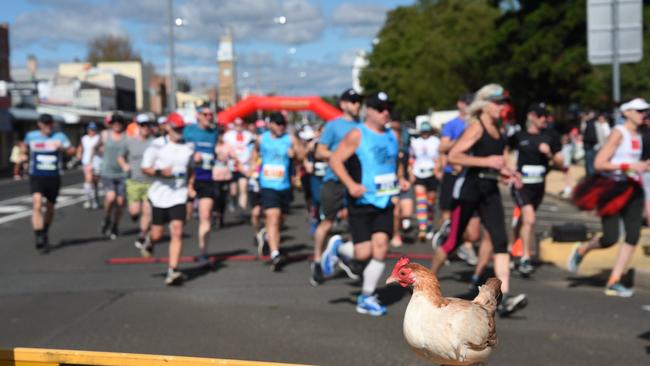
(402, 273)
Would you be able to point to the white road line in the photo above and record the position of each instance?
(69, 201)
(12, 209)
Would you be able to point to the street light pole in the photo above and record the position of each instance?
(172, 72)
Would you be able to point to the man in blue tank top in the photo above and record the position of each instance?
(276, 149)
(202, 136)
(45, 148)
(332, 191)
(366, 163)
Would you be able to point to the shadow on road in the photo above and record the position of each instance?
(600, 279)
(77, 241)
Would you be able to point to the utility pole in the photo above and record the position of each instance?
(172, 71)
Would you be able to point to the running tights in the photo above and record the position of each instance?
(632, 218)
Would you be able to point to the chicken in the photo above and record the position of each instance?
(447, 331)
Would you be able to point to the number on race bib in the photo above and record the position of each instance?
(273, 172)
(386, 185)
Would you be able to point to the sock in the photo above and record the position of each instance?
(346, 249)
(421, 211)
(171, 270)
(46, 228)
(88, 190)
(431, 213)
(371, 275)
(274, 254)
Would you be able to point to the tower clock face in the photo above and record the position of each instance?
(226, 72)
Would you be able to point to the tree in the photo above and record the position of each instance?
(111, 48)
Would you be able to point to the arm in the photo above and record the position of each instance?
(147, 166)
(297, 151)
(445, 145)
(602, 162)
(322, 152)
(345, 150)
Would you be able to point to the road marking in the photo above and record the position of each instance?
(69, 196)
(12, 209)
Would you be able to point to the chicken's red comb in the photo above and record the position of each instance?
(402, 262)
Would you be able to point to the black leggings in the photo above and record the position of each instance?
(493, 219)
(631, 215)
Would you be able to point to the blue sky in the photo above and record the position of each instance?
(325, 35)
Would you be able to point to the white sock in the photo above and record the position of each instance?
(346, 249)
(371, 276)
(274, 254)
(88, 189)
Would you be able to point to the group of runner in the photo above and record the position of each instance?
(369, 173)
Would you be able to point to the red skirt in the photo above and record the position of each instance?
(604, 194)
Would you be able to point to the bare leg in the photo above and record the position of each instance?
(273, 227)
(502, 270)
(625, 254)
(322, 229)
(175, 243)
(205, 222)
(527, 227)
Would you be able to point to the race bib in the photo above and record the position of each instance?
(47, 162)
(533, 170)
(386, 185)
(273, 172)
(206, 161)
(319, 168)
(424, 172)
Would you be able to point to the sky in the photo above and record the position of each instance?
(311, 54)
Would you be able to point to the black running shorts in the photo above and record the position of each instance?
(47, 186)
(161, 216)
(332, 199)
(529, 194)
(431, 184)
(366, 220)
(205, 189)
(276, 199)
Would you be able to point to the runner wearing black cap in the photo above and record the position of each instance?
(536, 149)
(45, 148)
(366, 163)
(332, 192)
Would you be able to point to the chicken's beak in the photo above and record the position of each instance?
(391, 280)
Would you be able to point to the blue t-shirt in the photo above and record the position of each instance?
(45, 159)
(334, 131)
(203, 142)
(377, 154)
(275, 171)
(452, 129)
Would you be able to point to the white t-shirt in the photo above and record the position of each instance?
(242, 143)
(424, 152)
(163, 154)
(88, 143)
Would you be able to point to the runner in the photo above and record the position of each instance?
(240, 139)
(86, 154)
(449, 134)
(315, 169)
(168, 160)
(333, 192)
(222, 176)
(427, 173)
(276, 148)
(138, 183)
(202, 137)
(45, 148)
(536, 149)
(114, 171)
(481, 150)
(403, 203)
(620, 162)
(366, 162)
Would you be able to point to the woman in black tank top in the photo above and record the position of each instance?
(480, 150)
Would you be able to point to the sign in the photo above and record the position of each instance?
(614, 27)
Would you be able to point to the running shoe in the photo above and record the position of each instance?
(87, 205)
(203, 260)
(42, 244)
(262, 243)
(278, 262)
(350, 267)
(574, 259)
(429, 235)
(525, 267)
(114, 233)
(406, 225)
(174, 277)
(106, 227)
(619, 290)
(396, 241)
(441, 235)
(94, 205)
(330, 255)
(467, 254)
(370, 305)
(511, 303)
(316, 277)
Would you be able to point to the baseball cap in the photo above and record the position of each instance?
(351, 95)
(175, 120)
(117, 117)
(637, 104)
(468, 98)
(45, 118)
(142, 118)
(539, 108)
(92, 126)
(378, 101)
(277, 118)
(161, 120)
(425, 127)
(307, 133)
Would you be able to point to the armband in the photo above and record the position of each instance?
(624, 166)
(158, 173)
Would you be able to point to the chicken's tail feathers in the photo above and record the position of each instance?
(489, 294)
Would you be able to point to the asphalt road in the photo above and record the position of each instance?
(72, 299)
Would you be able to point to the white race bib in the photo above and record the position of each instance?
(47, 162)
(424, 172)
(533, 170)
(386, 185)
(274, 172)
(206, 161)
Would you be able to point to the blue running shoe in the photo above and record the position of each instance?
(370, 305)
(330, 256)
(619, 290)
(574, 259)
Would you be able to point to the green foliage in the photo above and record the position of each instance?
(433, 51)
(111, 48)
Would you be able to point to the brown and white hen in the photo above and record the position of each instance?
(447, 331)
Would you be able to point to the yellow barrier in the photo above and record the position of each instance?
(55, 357)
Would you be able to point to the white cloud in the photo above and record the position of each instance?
(359, 20)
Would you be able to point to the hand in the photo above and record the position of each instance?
(513, 178)
(356, 190)
(545, 149)
(640, 167)
(167, 172)
(404, 184)
(495, 162)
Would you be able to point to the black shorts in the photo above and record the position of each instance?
(431, 184)
(276, 199)
(446, 192)
(366, 220)
(529, 194)
(332, 199)
(236, 176)
(205, 189)
(47, 186)
(161, 216)
(255, 198)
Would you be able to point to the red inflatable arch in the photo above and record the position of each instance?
(254, 102)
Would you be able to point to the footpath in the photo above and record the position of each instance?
(598, 263)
